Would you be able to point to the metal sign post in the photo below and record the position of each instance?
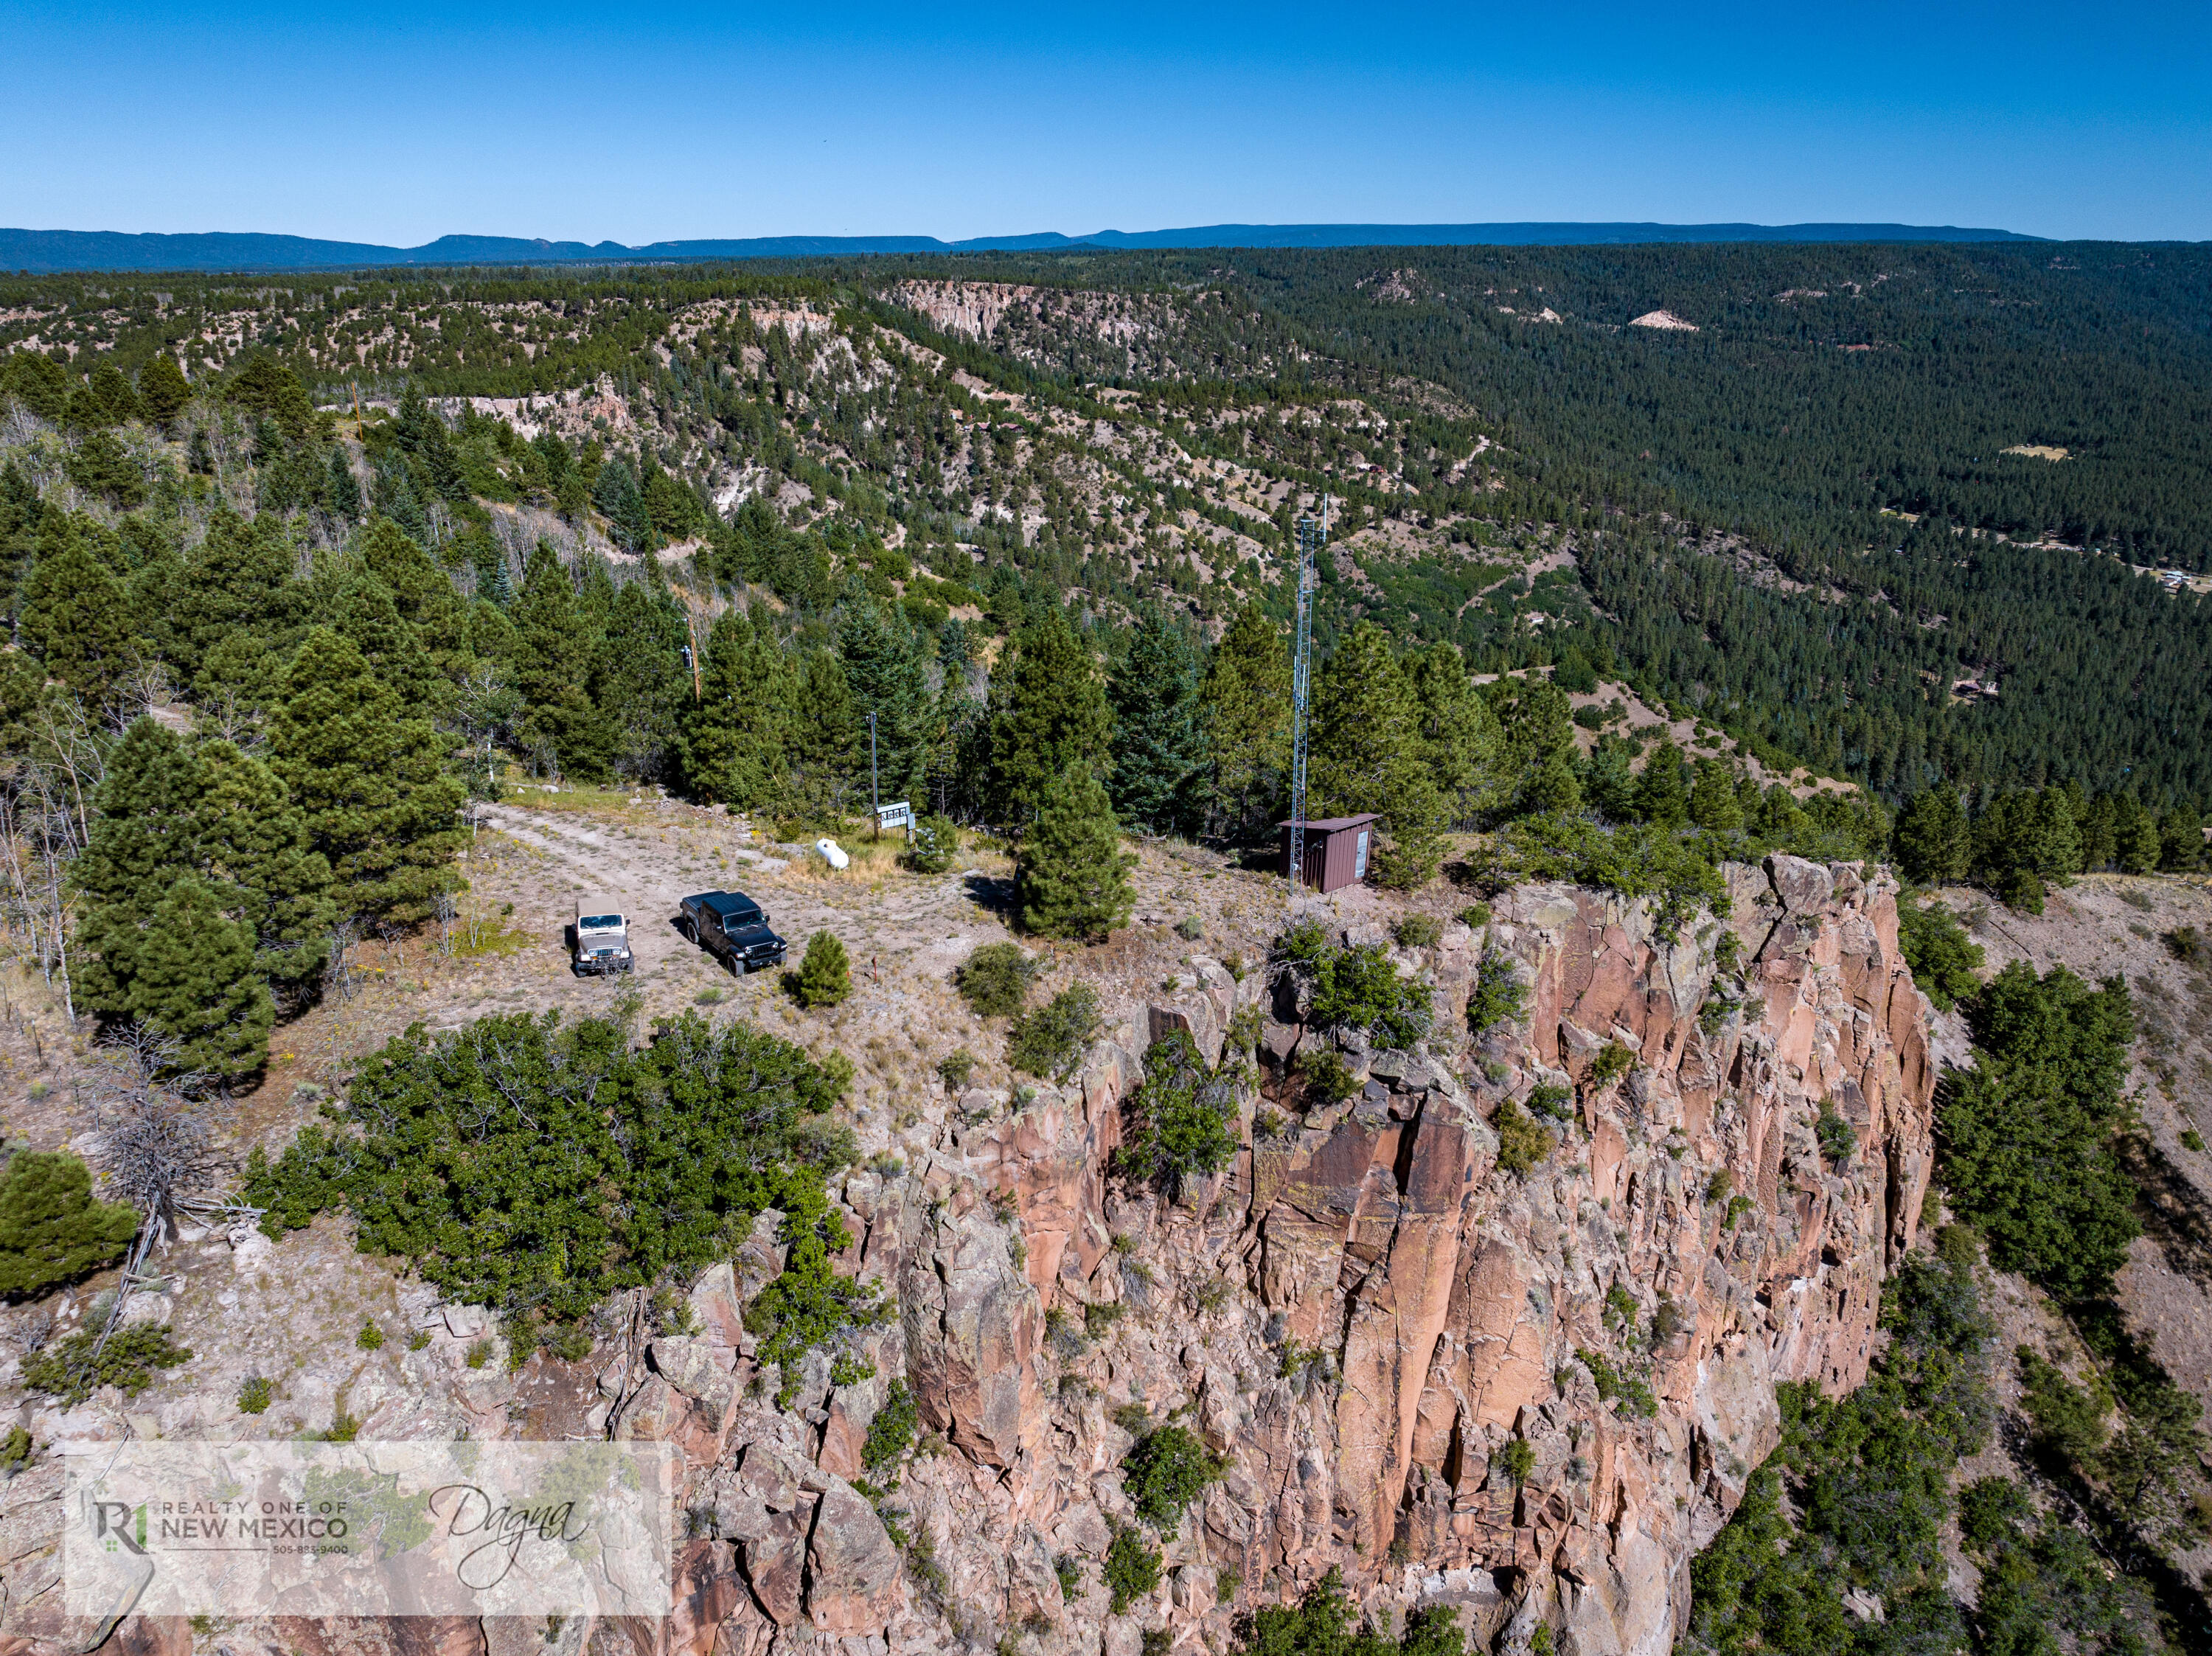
(897, 813)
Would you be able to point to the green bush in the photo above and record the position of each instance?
(825, 976)
(1132, 1569)
(1555, 1102)
(1521, 1142)
(1418, 931)
(1190, 928)
(1179, 1122)
(69, 1371)
(1474, 916)
(1943, 958)
(1634, 861)
(996, 980)
(2185, 945)
(1050, 1041)
(536, 1167)
(936, 842)
(1838, 1142)
(1329, 1079)
(2029, 1136)
(807, 1304)
(15, 1451)
(1167, 1470)
(957, 1068)
(1498, 997)
(52, 1232)
(891, 1434)
(1326, 1623)
(1613, 1060)
(1611, 1382)
(371, 1338)
(1356, 986)
(255, 1394)
(1516, 1460)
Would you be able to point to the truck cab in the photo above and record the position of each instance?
(599, 940)
(732, 925)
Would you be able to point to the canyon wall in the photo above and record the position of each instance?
(1357, 1316)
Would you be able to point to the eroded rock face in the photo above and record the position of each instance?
(1359, 1315)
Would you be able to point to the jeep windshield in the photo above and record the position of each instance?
(599, 923)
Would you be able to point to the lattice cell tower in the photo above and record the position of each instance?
(1313, 541)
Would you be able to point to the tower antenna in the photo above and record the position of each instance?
(1313, 539)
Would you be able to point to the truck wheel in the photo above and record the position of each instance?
(692, 928)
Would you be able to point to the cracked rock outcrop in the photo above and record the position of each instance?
(1358, 1315)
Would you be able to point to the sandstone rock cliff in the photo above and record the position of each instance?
(1359, 1315)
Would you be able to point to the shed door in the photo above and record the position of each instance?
(1359, 856)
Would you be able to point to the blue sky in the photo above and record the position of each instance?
(397, 123)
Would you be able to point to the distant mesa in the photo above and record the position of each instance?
(45, 251)
(1663, 319)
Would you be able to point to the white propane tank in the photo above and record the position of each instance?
(832, 854)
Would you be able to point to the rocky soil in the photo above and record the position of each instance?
(1358, 1314)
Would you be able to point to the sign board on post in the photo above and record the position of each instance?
(899, 813)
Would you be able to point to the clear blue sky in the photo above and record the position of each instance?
(397, 123)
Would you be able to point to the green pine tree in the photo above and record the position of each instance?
(370, 780)
(1931, 841)
(1245, 702)
(1048, 715)
(828, 737)
(2135, 836)
(1365, 752)
(885, 667)
(554, 670)
(367, 614)
(1072, 877)
(76, 615)
(163, 389)
(644, 688)
(1535, 727)
(52, 1232)
(113, 392)
(241, 579)
(1154, 695)
(197, 984)
(252, 838)
(1460, 734)
(1661, 798)
(143, 838)
(824, 975)
(734, 740)
(1713, 802)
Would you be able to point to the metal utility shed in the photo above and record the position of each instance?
(1336, 852)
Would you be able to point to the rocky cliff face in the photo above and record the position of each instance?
(1357, 1316)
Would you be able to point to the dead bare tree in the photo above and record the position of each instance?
(157, 1152)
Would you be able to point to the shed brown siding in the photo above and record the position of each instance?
(1338, 852)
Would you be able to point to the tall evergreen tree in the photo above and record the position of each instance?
(885, 674)
(76, 615)
(368, 778)
(1049, 714)
(1368, 754)
(1460, 734)
(1932, 840)
(734, 751)
(197, 984)
(252, 838)
(1661, 798)
(1072, 877)
(162, 389)
(1535, 732)
(144, 837)
(643, 687)
(1154, 695)
(369, 617)
(1245, 702)
(241, 579)
(554, 670)
(341, 488)
(827, 743)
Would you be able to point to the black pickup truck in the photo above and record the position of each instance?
(734, 926)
